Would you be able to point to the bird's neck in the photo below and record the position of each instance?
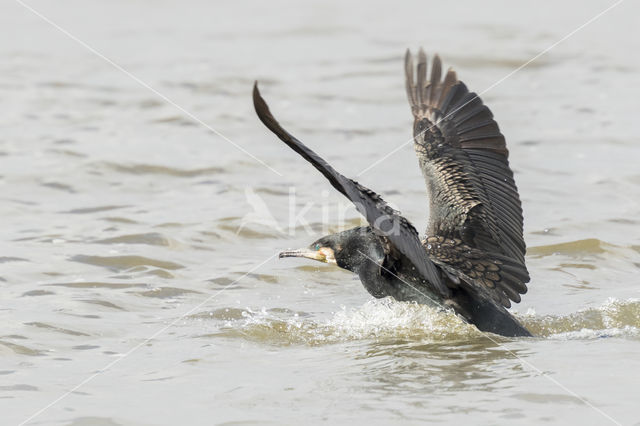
(374, 282)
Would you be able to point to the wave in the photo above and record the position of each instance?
(389, 320)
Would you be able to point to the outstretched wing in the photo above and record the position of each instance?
(464, 160)
(385, 220)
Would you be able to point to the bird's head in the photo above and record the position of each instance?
(348, 249)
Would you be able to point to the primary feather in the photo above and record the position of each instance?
(386, 221)
(464, 160)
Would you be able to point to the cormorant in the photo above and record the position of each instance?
(472, 257)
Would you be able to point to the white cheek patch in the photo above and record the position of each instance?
(328, 254)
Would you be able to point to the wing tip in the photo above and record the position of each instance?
(422, 54)
(263, 112)
(257, 97)
(430, 88)
(258, 101)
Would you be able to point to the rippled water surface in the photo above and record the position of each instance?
(138, 283)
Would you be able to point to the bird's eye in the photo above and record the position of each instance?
(317, 246)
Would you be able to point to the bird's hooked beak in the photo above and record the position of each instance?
(323, 254)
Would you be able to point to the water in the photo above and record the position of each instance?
(137, 272)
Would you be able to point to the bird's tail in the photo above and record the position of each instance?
(488, 316)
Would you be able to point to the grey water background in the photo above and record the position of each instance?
(120, 214)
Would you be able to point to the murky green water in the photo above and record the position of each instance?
(138, 283)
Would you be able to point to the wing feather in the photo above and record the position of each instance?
(385, 220)
(464, 159)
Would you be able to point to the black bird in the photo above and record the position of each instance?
(472, 257)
